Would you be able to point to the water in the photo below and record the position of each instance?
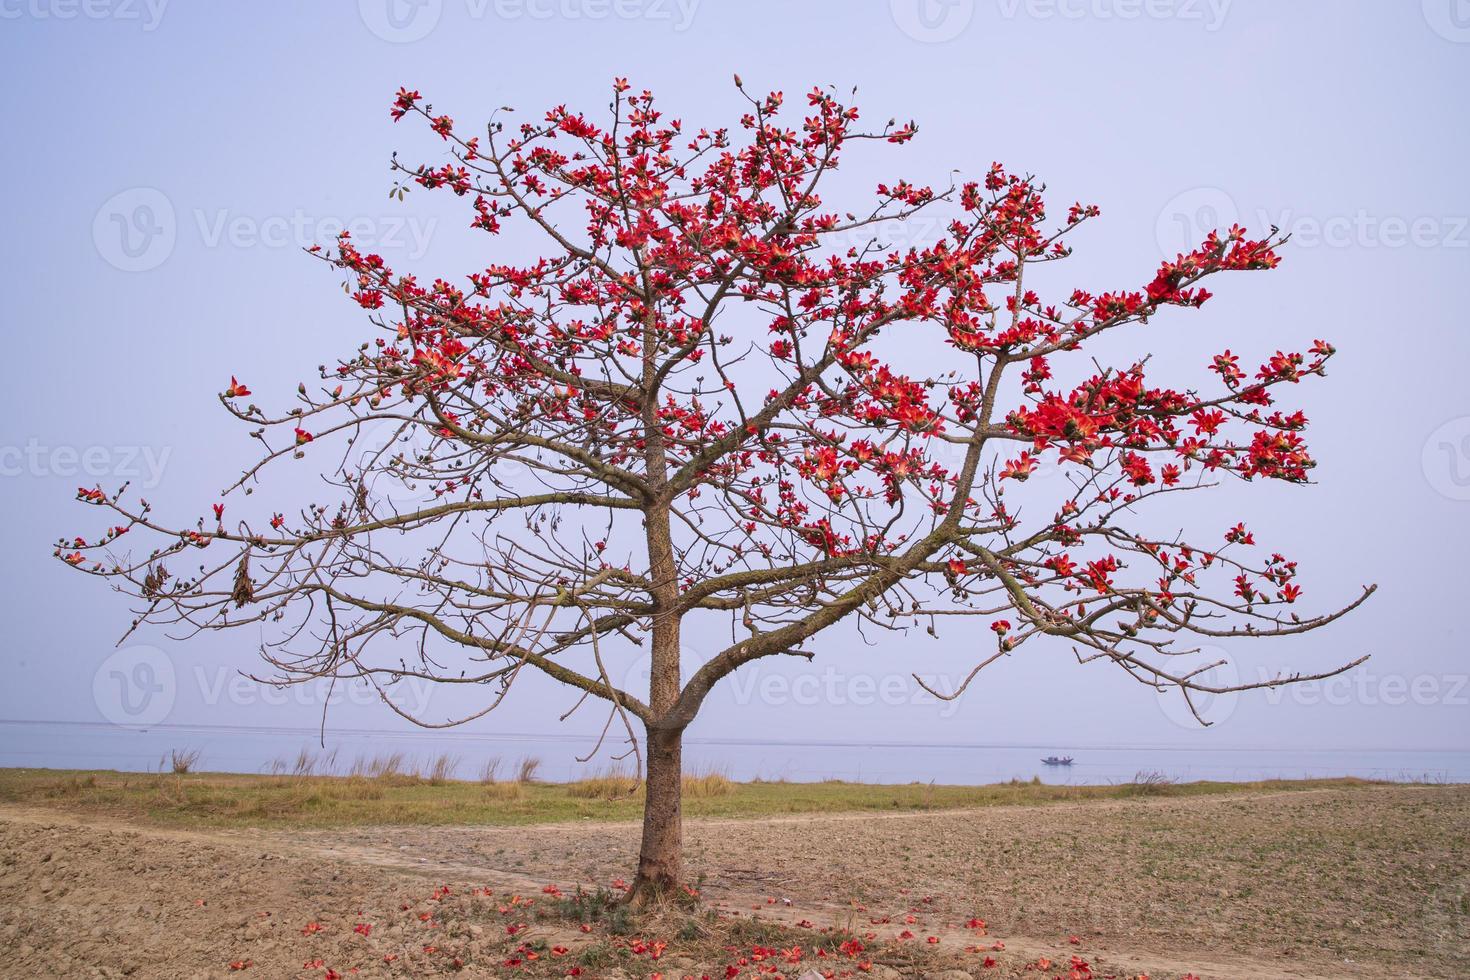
(65, 745)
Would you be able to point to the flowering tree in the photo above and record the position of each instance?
(700, 401)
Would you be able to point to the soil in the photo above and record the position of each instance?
(1368, 882)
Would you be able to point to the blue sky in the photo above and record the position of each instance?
(167, 160)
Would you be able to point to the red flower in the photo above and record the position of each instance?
(1019, 469)
(1239, 535)
(236, 389)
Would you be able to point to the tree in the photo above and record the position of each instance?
(698, 402)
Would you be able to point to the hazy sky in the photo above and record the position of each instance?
(165, 162)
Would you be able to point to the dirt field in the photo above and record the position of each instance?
(1363, 882)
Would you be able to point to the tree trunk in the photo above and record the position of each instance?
(661, 860)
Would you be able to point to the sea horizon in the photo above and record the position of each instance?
(62, 745)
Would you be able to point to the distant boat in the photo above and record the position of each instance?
(1052, 760)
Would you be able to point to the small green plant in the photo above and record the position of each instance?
(595, 956)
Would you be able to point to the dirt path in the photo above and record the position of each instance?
(1367, 883)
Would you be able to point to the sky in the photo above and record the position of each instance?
(168, 161)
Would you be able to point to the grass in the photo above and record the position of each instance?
(183, 761)
(618, 784)
(388, 793)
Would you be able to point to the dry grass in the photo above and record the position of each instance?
(441, 770)
(181, 761)
(391, 766)
(385, 790)
(618, 784)
(502, 792)
(1150, 783)
(526, 771)
(707, 784)
(614, 784)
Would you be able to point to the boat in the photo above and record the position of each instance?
(1052, 760)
